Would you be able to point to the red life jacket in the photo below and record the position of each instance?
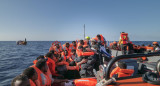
(32, 83)
(51, 64)
(122, 72)
(67, 48)
(124, 37)
(102, 39)
(42, 78)
(81, 53)
(85, 82)
(35, 61)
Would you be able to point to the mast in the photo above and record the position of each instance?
(84, 31)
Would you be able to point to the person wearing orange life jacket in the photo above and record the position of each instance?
(124, 40)
(74, 45)
(67, 47)
(86, 68)
(66, 56)
(44, 75)
(87, 41)
(74, 55)
(41, 69)
(51, 63)
(121, 71)
(32, 76)
(20, 80)
(80, 43)
(156, 47)
(57, 49)
(100, 40)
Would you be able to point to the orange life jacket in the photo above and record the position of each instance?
(32, 83)
(42, 78)
(102, 39)
(49, 76)
(85, 82)
(51, 64)
(122, 72)
(149, 48)
(124, 37)
(81, 53)
(57, 51)
(73, 47)
(35, 61)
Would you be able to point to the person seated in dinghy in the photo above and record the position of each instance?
(156, 47)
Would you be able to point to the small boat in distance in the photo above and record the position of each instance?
(20, 42)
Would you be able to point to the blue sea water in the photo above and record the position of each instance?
(15, 58)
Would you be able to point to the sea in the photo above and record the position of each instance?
(15, 58)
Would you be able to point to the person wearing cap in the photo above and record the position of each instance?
(156, 47)
(86, 41)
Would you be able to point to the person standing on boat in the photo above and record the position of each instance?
(156, 47)
(123, 42)
(100, 40)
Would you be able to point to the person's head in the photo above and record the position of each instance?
(93, 41)
(99, 37)
(143, 45)
(122, 65)
(57, 46)
(66, 53)
(41, 64)
(73, 51)
(74, 43)
(49, 55)
(30, 73)
(67, 44)
(81, 42)
(40, 57)
(155, 44)
(123, 32)
(149, 45)
(52, 51)
(20, 80)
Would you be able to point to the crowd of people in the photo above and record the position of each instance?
(79, 59)
(62, 62)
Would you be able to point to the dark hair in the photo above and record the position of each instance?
(81, 42)
(49, 54)
(98, 35)
(122, 65)
(29, 72)
(67, 42)
(41, 63)
(73, 50)
(40, 57)
(73, 41)
(19, 77)
(52, 51)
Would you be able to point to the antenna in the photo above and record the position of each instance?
(84, 31)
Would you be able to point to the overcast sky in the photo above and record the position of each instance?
(48, 20)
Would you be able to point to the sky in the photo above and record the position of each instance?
(49, 20)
